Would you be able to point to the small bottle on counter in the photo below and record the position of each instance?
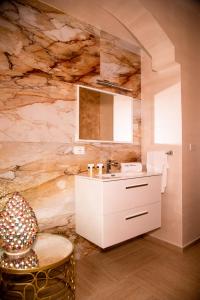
(100, 167)
(90, 169)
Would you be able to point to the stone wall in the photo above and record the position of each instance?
(43, 55)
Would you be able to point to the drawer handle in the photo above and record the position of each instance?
(135, 186)
(137, 215)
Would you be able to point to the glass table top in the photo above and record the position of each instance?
(48, 251)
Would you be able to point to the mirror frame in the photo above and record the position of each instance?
(77, 139)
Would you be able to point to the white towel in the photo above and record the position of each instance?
(157, 162)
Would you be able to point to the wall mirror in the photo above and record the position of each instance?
(104, 116)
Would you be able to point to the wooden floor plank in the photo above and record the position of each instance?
(139, 270)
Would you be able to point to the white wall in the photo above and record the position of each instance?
(167, 116)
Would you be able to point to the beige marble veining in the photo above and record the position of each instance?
(159, 28)
(43, 55)
(33, 88)
(120, 65)
(53, 123)
(56, 157)
(43, 172)
(44, 200)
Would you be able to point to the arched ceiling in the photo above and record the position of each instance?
(92, 12)
(126, 19)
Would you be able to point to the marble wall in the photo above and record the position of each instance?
(43, 55)
(120, 63)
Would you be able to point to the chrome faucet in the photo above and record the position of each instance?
(109, 164)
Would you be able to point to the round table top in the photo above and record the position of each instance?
(50, 250)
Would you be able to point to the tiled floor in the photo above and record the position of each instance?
(140, 270)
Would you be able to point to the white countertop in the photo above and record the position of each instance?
(117, 176)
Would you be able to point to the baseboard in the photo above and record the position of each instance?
(163, 243)
(191, 243)
(170, 245)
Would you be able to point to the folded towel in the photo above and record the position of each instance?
(157, 162)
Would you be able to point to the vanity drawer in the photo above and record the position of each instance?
(125, 194)
(130, 223)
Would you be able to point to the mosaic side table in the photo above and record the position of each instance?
(52, 279)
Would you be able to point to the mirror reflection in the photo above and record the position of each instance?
(104, 116)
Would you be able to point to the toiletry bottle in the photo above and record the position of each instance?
(100, 167)
(90, 169)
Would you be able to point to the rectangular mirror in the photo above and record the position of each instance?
(104, 116)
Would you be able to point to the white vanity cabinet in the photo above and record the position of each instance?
(114, 210)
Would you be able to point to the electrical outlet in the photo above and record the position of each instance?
(79, 150)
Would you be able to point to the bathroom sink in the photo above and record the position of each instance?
(110, 175)
(133, 174)
(120, 175)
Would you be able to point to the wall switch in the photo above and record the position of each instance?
(79, 150)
